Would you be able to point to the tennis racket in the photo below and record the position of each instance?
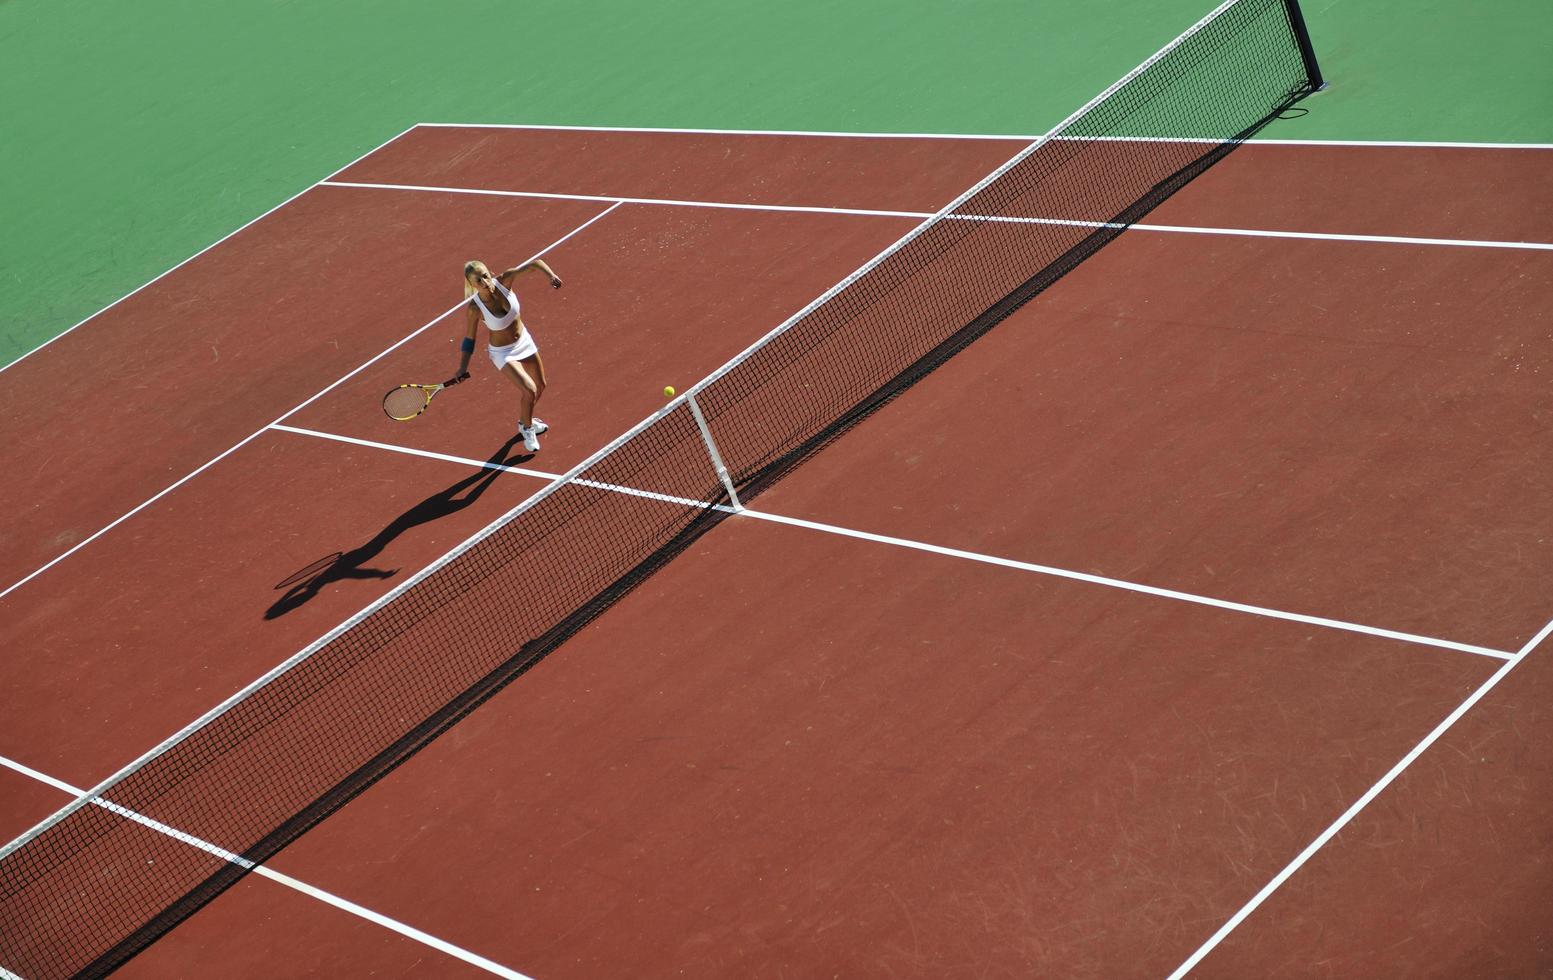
(407, 401)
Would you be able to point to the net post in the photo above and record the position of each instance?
(1302, 38)
(711, 448)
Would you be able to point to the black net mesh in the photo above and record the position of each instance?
(110, 876)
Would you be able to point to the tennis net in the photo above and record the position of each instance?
(108, 874)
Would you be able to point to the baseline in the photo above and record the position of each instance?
(958, 136)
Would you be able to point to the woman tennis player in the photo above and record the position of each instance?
(512, 349)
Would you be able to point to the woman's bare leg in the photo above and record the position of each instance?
(535, 368)
(527, 391)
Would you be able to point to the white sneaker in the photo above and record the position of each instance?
(530, 439)
(540, 427)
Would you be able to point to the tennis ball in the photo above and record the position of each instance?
(668, 391)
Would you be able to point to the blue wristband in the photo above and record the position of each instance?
(468, 346)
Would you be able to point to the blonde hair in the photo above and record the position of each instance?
(470, 268)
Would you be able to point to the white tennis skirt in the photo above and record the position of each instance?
(519, 350)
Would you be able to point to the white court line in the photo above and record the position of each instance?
(1260, 232)
(488, 465)
(206, 249)
(1340, 237)
(1050, 570)
(260, 431)
(671, 202)
(1256, 141)
(1421, 144)
(729, 132)
(343, 904)
(976, 136)
(868, 212)
(484, 464)
(1410, 144)
(1360, 804)
(1114, 583)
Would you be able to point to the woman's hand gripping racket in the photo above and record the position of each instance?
(407, 401)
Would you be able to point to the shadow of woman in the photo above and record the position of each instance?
(353, 564)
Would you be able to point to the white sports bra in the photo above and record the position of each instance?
(492, 320)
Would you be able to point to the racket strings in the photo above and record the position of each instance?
(405, 403)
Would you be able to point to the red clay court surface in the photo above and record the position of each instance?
(802, 752)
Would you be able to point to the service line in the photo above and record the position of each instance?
(1050, 570)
